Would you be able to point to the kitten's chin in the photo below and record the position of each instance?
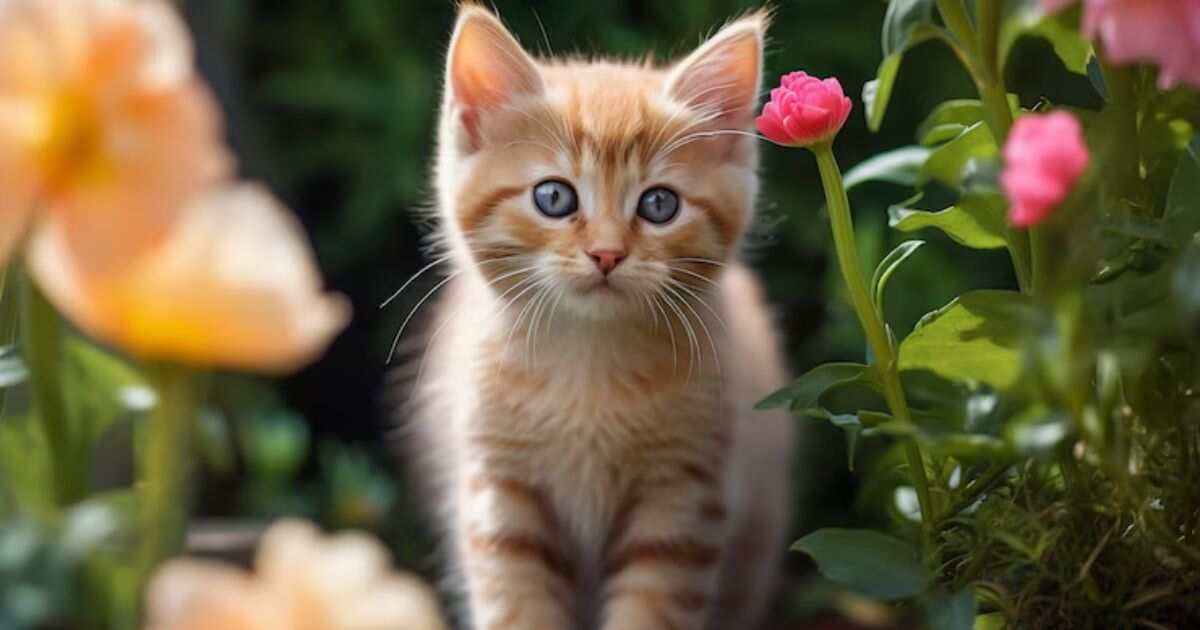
(602, 302)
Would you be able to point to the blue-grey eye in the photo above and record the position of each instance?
(555, 198)
(658, 205)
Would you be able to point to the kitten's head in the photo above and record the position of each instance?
(602, 184)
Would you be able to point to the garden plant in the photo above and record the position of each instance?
(1035, 447)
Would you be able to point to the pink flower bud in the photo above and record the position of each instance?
(804, 110)
(1044, 156)
(1164, 32)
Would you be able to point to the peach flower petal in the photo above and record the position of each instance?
(303, 580)
(115, 133)
(234, 285)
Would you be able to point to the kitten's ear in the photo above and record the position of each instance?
(723, 76)
(486, 68)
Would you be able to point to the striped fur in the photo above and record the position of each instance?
(593, 452)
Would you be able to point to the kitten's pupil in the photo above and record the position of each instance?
(658, 205)
(555, 198)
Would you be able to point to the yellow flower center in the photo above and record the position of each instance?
(73, 149)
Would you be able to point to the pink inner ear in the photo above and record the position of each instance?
(488, 69)
(723, 76)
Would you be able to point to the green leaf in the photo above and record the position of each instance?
(24, 466)
(100, 388)
(949, 120)
(1026, 18)
(976, 338)
(951, 612)
(906, 24)
(976, 222)
(888, 266)
(12, 367)
(852, 426)
(1038, 434)
(953, 162)
(803, 393)
(866, 561)
(1182, 215)
(899, 166)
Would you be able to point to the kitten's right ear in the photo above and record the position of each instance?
(487, 68)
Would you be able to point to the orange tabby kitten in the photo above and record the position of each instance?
(584, 404)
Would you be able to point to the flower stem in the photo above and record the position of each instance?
(165, 466)
(10, 312)
(42, 340)
(877, 336)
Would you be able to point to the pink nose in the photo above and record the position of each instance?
(607, 259)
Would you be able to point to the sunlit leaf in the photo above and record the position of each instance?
(887, 267)
(975, 222)
(1026, 18)
(949, 120)
(954, 161)
(866, 561)
(899, 166)
(804, 392)
(975, 338)
(907, 23)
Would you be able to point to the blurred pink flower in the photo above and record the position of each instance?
(1044, 156)
(1166, 32)
(303, 581)
(103, 124)
(233, 284)
(804, 110)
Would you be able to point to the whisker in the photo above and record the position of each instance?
(413, 279)
(701, 300)
(693, 341)
(670, 332)
(704, 327)
(400, 333)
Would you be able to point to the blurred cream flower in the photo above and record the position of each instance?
(104, 126)
(233, 284)
(303, 581)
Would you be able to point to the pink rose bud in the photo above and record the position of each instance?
(1164, 32)
(1044, 156)
(804, 110)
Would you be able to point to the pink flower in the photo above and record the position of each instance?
(804, 110)
(1166, 32)
(1044, 156)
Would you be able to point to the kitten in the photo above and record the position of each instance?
(584, 408)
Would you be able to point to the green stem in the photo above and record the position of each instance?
(993, 475)
(954, 14)
(877, 337)
(10, 312)
(42, 334)
(165, 466)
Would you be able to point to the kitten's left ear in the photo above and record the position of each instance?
(723, 76)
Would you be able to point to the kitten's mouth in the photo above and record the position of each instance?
(601, 287)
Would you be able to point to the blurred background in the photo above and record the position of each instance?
(332, 103)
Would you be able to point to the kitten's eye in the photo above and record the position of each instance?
(555, 198)
(658, 205)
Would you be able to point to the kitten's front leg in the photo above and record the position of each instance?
(517, 573)
(664, 552)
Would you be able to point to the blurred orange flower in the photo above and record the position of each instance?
(104, 125)
(303, 581)
(233, 284)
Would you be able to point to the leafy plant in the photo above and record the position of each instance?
(1050, 432)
